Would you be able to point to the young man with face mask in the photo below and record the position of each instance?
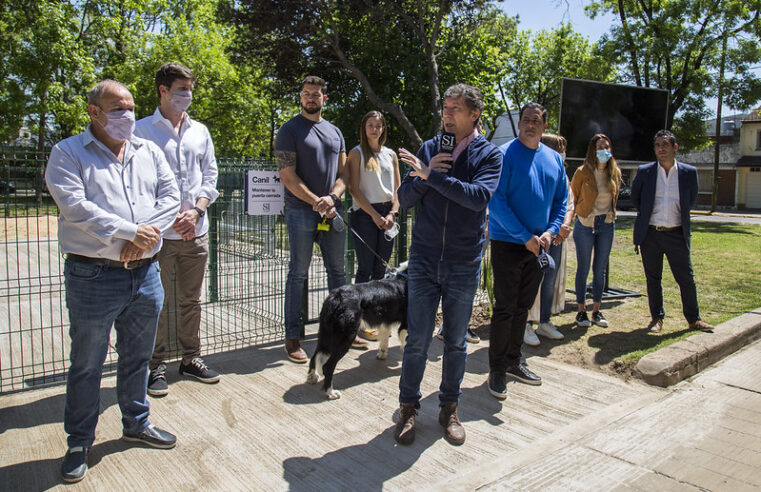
(117, 196)
(189, 150)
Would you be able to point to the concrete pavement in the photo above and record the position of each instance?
(703, 434)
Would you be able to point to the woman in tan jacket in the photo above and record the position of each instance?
(595, 188)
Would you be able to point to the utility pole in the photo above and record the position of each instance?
(717, 144)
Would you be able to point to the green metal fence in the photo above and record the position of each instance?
(242, 304)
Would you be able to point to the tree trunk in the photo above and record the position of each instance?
(717, 144)
(433, 83)
(39, 180)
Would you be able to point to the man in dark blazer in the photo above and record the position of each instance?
(663, 192)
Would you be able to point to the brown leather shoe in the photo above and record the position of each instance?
(359, 344)
(405, 426)
(295, 352)
(656, 325)
(454, 432)
(701, 325)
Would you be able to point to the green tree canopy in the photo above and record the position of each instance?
(675, 45)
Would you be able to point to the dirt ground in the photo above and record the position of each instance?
(575, 349)
(22, 228)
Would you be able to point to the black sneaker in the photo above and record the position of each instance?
(152, 436)
(471, 336)
(74, 467)
(498, 385)
(582, 320)
(599, 319)
(520, 372)
(157, 385)
(198, 369)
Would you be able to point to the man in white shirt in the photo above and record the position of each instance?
(189, 150)
(663, 192)
(116, 195)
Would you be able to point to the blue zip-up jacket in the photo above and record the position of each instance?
(451, 222)
(532, 194)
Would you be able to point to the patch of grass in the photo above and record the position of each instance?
(727, 265)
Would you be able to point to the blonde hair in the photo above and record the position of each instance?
(611, 168)
(371, 163)
(555, 142)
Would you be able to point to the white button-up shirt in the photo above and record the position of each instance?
(666, 207)
(102, 200)
(190, 155)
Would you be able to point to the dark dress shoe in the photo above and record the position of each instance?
(152, 436)
(74, 467)
(520, 372)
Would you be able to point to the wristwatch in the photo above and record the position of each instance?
(335, 198)
(201, 213)
(396, 214)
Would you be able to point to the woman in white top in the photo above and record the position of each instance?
(374, 181)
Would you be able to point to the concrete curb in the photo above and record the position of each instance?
(687, 357)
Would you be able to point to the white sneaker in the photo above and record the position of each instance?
(529, 336)
(548, 330)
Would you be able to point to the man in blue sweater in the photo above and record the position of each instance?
(525, 214)
(452, 191)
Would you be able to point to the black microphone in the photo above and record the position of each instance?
(447, 143)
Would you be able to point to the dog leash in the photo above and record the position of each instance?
(385, 263)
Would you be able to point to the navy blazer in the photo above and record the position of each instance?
(643, 196)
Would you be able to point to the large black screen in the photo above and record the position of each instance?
(629, 115)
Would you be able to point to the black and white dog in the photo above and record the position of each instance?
(378, 304)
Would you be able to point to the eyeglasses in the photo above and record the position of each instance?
(311, 95)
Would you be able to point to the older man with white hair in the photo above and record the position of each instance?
(116, 195)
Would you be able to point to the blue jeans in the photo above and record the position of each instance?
(599, 238)
(302, 234)
(97, 298)
(428, 281)
(547, 289)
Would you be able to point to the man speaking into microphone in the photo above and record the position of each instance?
(452, 179)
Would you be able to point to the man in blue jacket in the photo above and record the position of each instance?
(663, 192)
(524, 216)
(452, 191)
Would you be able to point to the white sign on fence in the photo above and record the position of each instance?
(264, 193)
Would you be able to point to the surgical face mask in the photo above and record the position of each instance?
(562, 155)
(120, 124)
(604, 155)
(180, 100)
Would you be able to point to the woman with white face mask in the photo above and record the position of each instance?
(595, 187)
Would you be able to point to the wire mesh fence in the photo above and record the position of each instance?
(242, 300)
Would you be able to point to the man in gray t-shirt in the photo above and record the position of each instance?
(311, 156)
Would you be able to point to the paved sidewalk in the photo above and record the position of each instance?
(704, 434)
(263, 428)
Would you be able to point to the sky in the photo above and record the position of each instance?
(545, 14)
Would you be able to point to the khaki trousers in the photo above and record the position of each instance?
(180, 319)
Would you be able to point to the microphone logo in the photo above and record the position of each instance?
(447, 143)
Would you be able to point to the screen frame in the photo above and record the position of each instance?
(632, 88)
